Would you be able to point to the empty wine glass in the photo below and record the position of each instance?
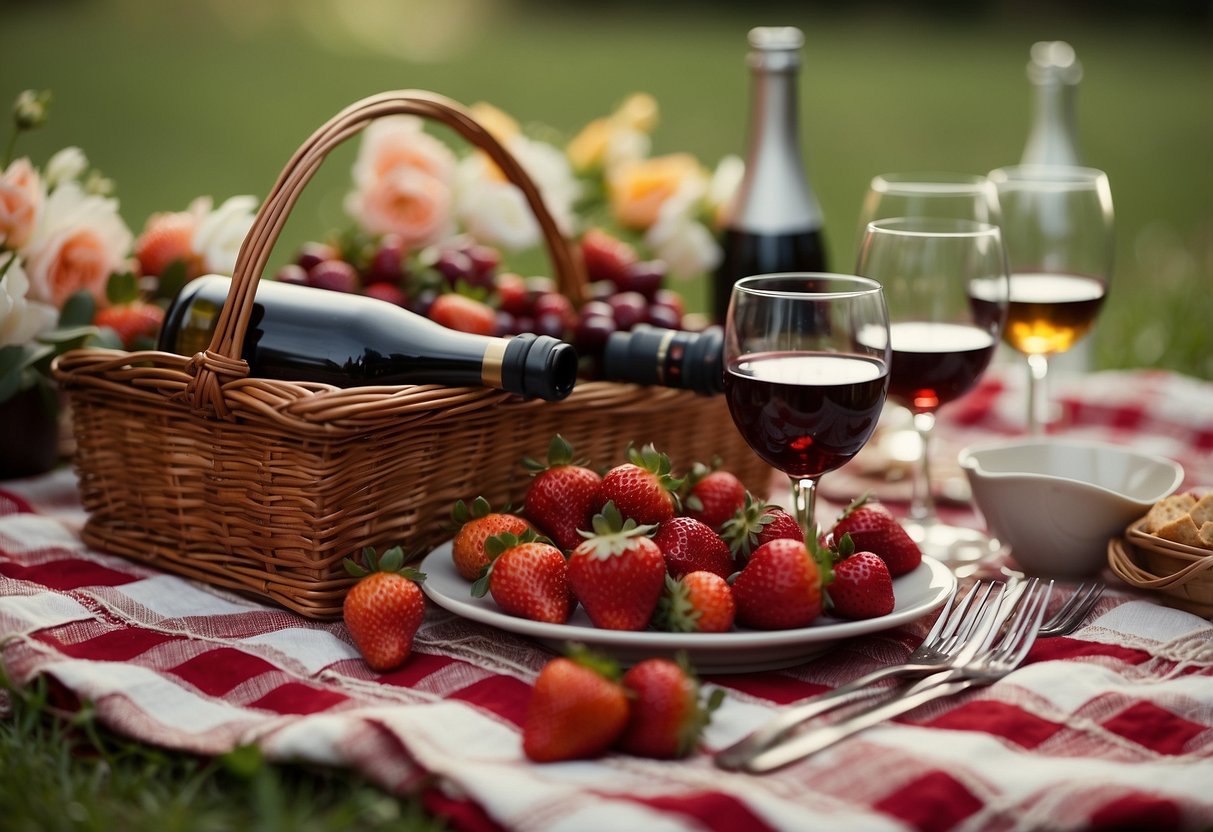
(806, 372)
(945, 282)
(957, 196)
(1057, 229)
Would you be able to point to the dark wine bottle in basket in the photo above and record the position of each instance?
(775, 222)
(298, 333)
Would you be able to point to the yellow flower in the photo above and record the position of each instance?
(638, 190)
(638, 111)
(500, 124)
(588, 148)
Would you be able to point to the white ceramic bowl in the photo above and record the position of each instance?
(1057, 502)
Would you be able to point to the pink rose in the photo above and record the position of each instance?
(400, 142)
(79, 242)
(21, 196)
(407, 202)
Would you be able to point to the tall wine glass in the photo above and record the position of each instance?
(1057, 228)
(806, 372)
(945, 282)
(956, 196)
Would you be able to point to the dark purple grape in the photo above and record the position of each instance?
(539, 285)
(334, 275)
(549, 323)
(597, 307)
(600, 290)
(630, 308)
(422, 301)
(591, 334)
(312, 254)
(670, 298)
(387, 263)
(663, 316)
(485, 259)
(644, 277)
(292, 273)
(506, 323)
(555, 304)
(455, 266)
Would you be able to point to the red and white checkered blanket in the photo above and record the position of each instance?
(1109, 728)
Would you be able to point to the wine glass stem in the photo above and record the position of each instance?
(804, 499)
(1038, 400)
(922, 500)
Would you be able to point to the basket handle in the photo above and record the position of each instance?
(221, 361)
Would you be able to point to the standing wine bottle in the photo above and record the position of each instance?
(1054, 73)
(775, 221)
(297, 333)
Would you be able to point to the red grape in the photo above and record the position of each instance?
(644, 277)
(387, 263)
(630, 309)
(292, 273)
(334, 275)
(389, 292)
(312, 254)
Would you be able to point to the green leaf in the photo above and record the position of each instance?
(172, 278)
(78, 310)
(122, 288)
(392, 560)
(481, 587)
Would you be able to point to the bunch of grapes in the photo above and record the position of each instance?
(462, 285)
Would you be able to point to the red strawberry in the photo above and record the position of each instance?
(862, 586)
(563, 496)
(667, 718)
(464, 314)
(577, 710)
(527, 577)
(700, 602)
(617, 573)
(606, 257)
(873, 528)
(642, 488)
(384, 609)
(512, 293)
(690, 546)
(132, 321)
(780, 587)
(756, 523)
(167, 238)
(714, 496)
(476, 525)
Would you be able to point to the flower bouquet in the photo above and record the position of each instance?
(72, 274)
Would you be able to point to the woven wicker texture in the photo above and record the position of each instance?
(264, 486)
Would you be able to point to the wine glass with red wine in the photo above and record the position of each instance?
(945, 282)
(806, 372)
(1057, 228)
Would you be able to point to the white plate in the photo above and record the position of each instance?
(740, 651)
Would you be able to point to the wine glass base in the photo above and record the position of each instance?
(954, 546)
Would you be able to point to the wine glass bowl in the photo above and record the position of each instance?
(945, 282)
(1057, 228)
(806, 372)
(957, 196)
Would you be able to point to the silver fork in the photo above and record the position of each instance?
(982, 666)
(953, 629)
(1074, 611)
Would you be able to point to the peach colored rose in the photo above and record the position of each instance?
(638, 190)
(400, 142)
(404, 201)
(79, 242)
(22, 194)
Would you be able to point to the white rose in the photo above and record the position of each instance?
(496, 213)
(678, 238)
(21, 319)
(65, 166)
(726, 179)
(625, 146)
(222, 231)
(550, 170)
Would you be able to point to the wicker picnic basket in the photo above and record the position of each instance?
(264, 486)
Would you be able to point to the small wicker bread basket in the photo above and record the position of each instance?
(1183, 575)
(264, 486)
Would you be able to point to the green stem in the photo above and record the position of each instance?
(12, 147)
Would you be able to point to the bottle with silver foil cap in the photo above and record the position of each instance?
(1054, 72)
(774, 224)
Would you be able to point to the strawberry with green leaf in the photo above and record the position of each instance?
(527, 577)
(713, 494)
(476, 524)
(861, 586)
(873, 528)
(617, 572)
(757, 523)
(383, 610)
(563, 496)
(700, 602)
(643, 487)
(781, 586)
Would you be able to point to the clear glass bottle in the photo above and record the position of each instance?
(1054, 72)
(297, 333)
(775, 222)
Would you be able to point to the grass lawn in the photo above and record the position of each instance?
(174, 100)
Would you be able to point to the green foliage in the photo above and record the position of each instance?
(73, 775)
